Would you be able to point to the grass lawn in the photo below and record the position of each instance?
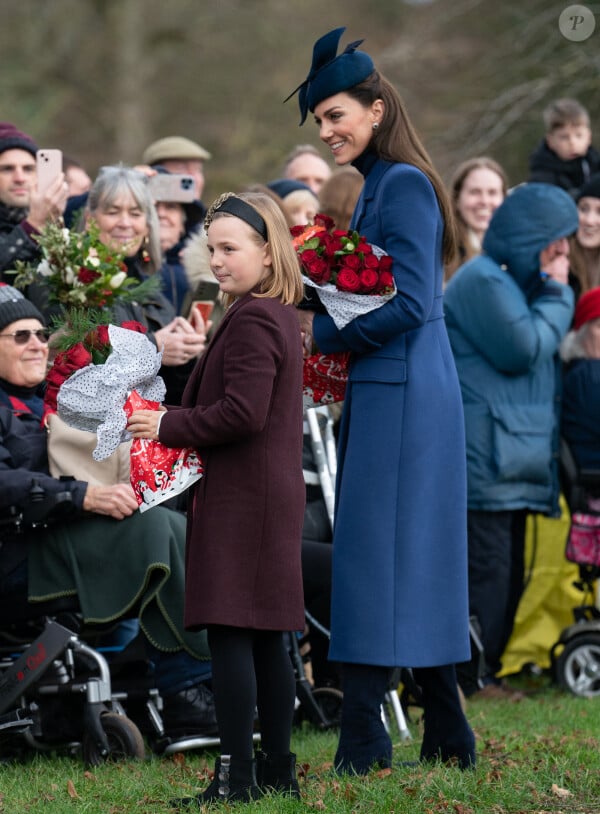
(539, 755)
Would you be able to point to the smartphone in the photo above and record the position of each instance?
(173, 187)
(49, 166)
(204, 307)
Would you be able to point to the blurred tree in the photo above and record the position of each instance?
(103, 78)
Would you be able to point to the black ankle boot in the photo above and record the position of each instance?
(234, 781)
(277, 773)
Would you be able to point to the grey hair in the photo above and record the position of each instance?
(109, 184)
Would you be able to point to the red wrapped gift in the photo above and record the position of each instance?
(159, 472)
(324, 378)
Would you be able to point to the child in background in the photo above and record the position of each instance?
(565, 156)
(242, 411)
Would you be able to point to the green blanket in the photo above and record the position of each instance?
(119, 568)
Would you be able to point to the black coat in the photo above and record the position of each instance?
(546, 167)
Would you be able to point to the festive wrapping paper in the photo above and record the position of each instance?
(93, 398)
(159, 472)
(324, 378)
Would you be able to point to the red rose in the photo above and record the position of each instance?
(296, 231)
(76, 357)
(348, 280)
(371, 262)
(132, 325)
(97, 338)
(385, 263)
(317, 269)
(87, 275)
(352, 261)
(364, 247)
(324, 220)
(339, 233)
(386, 281)
(368, 280)
(331, 244)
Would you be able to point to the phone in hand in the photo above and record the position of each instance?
(172, 187)
(204, 308)
(49, 167)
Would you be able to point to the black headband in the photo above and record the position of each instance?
(239, 208)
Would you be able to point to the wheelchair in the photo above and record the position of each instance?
(575, 657)
(59, 692)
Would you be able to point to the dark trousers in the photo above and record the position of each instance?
(496, 581)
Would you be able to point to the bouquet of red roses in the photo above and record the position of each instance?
(350, 277)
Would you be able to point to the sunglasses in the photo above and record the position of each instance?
(22, 337)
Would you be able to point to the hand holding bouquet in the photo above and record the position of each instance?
(350, 277)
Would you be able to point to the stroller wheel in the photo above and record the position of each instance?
(578, 666)
(124, 740)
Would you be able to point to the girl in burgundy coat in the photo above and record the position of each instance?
(242, 410)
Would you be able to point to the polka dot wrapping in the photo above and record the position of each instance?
(92, 399)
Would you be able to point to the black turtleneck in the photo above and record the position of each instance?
(365, 162)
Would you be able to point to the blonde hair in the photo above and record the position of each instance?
(285, 279)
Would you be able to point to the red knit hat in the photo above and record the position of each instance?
(587, 308)
(13, 139)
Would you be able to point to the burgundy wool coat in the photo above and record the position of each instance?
(242, 411)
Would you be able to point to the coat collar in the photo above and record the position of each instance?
(374, 171)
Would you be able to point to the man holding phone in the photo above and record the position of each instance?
(23, 208)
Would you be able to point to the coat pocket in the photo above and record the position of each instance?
(388, 369)
(522, 437)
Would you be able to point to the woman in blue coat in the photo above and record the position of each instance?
(399, 592)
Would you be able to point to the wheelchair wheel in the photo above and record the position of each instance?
(124, 741)
(578, 666)
(329, 701)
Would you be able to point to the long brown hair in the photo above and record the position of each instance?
(465, 249)
(397, 140)
(584, 265)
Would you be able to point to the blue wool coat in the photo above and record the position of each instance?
(399, 591)
(505, 325)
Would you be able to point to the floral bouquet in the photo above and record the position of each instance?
(91, 385)
(81, 271)
(350, 277)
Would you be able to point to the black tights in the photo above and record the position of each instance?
(252, 669)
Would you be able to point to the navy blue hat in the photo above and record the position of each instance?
(330, 74)
(285, 186)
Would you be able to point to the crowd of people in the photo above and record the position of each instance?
(456, 400)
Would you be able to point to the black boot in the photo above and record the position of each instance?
(277, 773)
(364, 743)
(234, 781)
(447, 735)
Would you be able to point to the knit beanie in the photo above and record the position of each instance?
(587, 308)
(13, 139)
(591, 189)
(14, 306)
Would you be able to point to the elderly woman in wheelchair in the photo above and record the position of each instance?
(69, 538)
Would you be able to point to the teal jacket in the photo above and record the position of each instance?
(505, 325)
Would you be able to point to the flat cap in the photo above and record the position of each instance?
(174, 147)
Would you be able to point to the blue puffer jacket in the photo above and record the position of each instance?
(505, 325)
